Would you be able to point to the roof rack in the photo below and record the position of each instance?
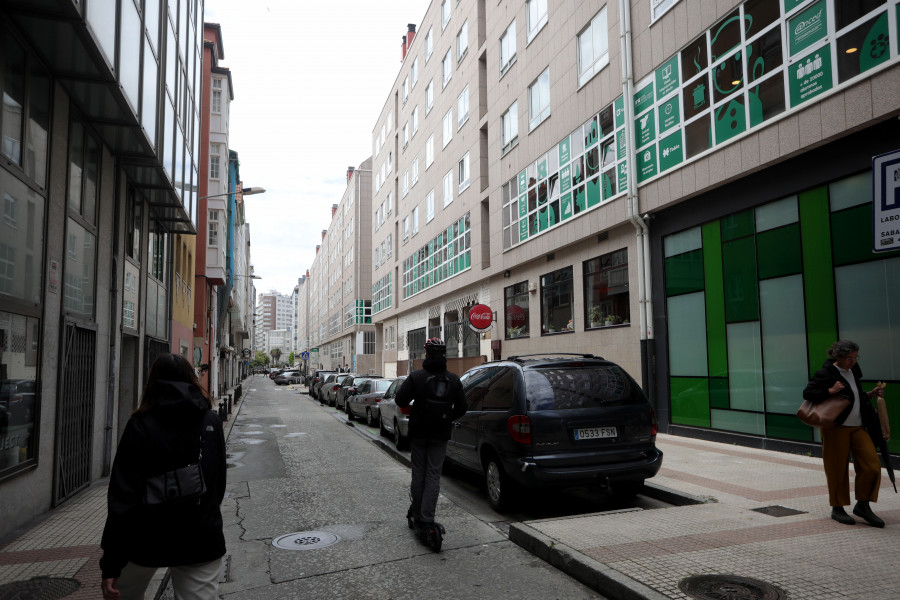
(546, 354)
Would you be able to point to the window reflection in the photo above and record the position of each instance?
(19, 352)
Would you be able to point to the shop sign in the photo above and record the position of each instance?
(481, 317)
(790, 5)
(620, 144)
(623, 176)
(564, 156)
(566, 202)
(523, 230)
(515, 315)
(643, 99)
(808, 27)
(810, 76)
(671, 151)
(667, 78)
(645, 129)
(646, 166)
(523, 181)
(669, 114)
(619, 108)
(886, 201)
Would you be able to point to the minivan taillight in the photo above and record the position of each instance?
(653, 427)
(519, 428)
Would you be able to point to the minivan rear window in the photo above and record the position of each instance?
(561, 388)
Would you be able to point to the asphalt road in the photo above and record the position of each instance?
(335, 502)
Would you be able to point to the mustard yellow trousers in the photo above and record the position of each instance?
(838, 444)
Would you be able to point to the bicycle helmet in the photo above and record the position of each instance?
(435, 344)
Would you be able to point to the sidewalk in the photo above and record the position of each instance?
(623, 555)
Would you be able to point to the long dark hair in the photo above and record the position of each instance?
(170, 367)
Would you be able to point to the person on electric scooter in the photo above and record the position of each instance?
(439, 401)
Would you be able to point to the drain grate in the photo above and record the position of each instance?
(778, 511)
(45, 588)
(306, 540)
(729, 587)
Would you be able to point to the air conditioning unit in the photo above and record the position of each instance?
(532, 286)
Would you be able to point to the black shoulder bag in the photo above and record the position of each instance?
(179, 486)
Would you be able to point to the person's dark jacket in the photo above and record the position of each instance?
(414, 387)
(817, 390)
(159, 440)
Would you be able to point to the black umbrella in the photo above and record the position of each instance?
(878, 438)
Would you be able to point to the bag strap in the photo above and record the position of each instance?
(202, 436)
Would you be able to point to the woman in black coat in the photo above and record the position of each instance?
(841, 375)
(173, 427)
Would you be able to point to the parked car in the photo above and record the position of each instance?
(394, 420)
(17, 397)
(364, 404)
(275, 373)
(329, 390)
(555, 421)
(288, 377)
(348, 388)
(316, 381)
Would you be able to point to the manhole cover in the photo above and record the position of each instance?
(305, 540)
(43, 588)
(729, 587)
(778, 511)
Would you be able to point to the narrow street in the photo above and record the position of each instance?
(296, 468)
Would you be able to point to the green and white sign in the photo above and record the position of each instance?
(565, 179)
(620, 144)
(669, 114)
(523, 230)
(623, 176)
(810, 76)
(542, 169)
(643, 99)
(619, 109)
(564, 151)
(646, 160)
(523, 208)
(645, 129)
(790, 5)
(807, 27)
(667, 78)
(523, 182)
(566, 202)
(671, 151)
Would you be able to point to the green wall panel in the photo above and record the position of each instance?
(737, 226)
(788, 427)
(851, 234)
(736, 420)
(818, 275)
(684, 273)
(715, 301)
(739, 273)
(690, 401)
(778, 252)
(718, 392)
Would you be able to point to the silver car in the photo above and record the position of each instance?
(365, 403)
(328, 392)
(394, 420)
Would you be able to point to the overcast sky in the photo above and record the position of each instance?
(310, 79)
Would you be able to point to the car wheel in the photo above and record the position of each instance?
(381, 430)
(626, 490)
(349, 411)
(499, 486)
(370, 420)
(401, 442)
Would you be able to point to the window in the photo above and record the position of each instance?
(463, 173)
(429, 97)
(429, 206)
(448, 128)
(405, 229)
(217, 95)
(537, 17)
(405, 183)
(415, 220)
(593, 48)
(462, 108)
(429, 44)
(539, 100)
(368, 342)
(447, 67)
(445, 14)
(509, 124)
(462, 42)
(415, 171)
(415, 120)
(508, 47)
(448, 188)
(9, 210)
(213, 237)
(213, 161)
(515, 308)
(405, 134)
(429, 151)
(606, 299)
(556, 301)
(405, 88)
(390, 161)
(414, 72)
(390, 202)
(377, 258)
(388, 245)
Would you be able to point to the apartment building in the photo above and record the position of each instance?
(683, 187)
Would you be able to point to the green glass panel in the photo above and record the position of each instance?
(739, 277)
(778, 252)
(851, 234)
(684, 273)
(690, 401)
(593, 192)
(687, 335)
(718, 392)
(737, 226)
(733, 420)
(715, 301)
(818, 275)
(788, 427)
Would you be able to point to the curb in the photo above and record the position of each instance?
(588, 571)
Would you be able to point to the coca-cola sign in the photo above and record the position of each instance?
(481, 317)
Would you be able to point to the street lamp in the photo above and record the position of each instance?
(247, 191)
(248, 276)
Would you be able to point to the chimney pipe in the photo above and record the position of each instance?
(410, 34)
(333, 212)
(350, 173)
(402, 48)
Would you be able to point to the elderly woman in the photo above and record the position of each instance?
(841, 375)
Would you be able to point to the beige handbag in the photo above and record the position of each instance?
(822, 414)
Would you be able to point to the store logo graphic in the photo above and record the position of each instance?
(667, 71)
(805, 69)
(674, 148)
(811, 23)
(699, 96)
(647, 156)
(644, 120)
(668, 108)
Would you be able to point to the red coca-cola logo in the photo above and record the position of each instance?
(515, 316)
(481, 316)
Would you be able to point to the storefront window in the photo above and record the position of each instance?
(515, 302)
(606, 298)
(19, 353)
(557, 311)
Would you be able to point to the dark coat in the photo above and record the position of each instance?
(817, 390)
(159, 440)
(414, 387)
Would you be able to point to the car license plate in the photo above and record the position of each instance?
(592, 433)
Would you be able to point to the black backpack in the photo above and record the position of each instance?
(437, 405)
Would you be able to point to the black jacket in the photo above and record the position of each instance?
(817, 390)
(164, 438)
(414, 387)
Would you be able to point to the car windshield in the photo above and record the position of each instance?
(563, 388)
(381, 385)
